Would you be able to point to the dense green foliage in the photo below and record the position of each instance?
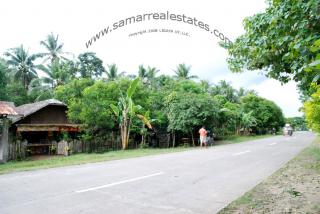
(280, 41)
(176, 106)
(4, 79)
(284, 41)
(312, 111)
(188, 110)
(267, 114)
(90, 65)
(106, 101)
(297, 123)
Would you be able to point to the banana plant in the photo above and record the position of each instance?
(146, 121)
(125, 112)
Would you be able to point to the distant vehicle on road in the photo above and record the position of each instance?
(287, 130)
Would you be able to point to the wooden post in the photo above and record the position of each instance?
(174, 139)
(4, 141)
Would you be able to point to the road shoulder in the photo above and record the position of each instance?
(295, 188)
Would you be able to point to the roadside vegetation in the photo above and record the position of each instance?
(292, 189)
(144, 108)
(284, 41)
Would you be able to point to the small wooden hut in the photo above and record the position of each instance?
(42, 124)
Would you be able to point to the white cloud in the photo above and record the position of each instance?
(285, 96)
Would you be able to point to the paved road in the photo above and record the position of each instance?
(196, 181)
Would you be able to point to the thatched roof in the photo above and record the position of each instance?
(31, 108)
(7, 108)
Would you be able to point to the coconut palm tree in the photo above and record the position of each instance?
(22, 64)
(54, 48)
(151, 75)
(183, 72)
(152, 72)
(142, 74)
(225, 88)
(112, 72)
(57, 74)
(242, 92)
(205, 86)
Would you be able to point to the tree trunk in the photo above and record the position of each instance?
(112, 140)
(173, 139)
(193, 144)
(128, 133)
(123, 133)
(236, 129)
(125, 137)
(142, 136)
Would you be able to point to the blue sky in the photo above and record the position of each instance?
(28, 22)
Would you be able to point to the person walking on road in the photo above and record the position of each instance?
(203, 136)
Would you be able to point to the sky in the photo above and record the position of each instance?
(76, 22)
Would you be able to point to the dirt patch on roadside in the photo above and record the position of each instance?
(295, 188)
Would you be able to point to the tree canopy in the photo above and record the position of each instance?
(90, 65)
(280, 41)
(135, 104)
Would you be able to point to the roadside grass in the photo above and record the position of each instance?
(295, 188)
(238, 139)
(315, 153)
(83, 158)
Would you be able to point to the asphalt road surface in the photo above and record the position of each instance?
(195, 181)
